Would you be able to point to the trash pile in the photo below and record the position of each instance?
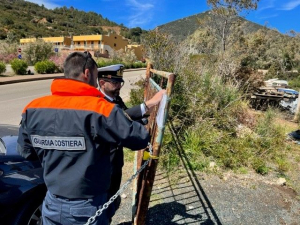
(275, 93)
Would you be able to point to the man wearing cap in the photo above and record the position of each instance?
(70, 132)
(110, 79)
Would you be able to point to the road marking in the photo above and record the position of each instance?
(31, 96)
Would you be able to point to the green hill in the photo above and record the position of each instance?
(182, 28)
(25, 19)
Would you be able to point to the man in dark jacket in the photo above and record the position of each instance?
(110, 79)
(71, 132)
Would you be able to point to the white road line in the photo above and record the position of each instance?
(15, 99)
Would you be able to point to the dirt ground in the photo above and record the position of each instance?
(198, 198)
(190, 197)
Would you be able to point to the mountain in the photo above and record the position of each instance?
(182, 28)
(25, 19)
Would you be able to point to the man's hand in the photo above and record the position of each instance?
(155, 99)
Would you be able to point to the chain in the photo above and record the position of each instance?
(124, 186)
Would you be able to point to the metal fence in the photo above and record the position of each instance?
(155, 81)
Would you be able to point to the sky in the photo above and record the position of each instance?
(283, 15)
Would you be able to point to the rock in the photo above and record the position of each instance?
(123, 196)
(212, 164)
(281, 181)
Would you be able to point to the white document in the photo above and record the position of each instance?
(161, 112)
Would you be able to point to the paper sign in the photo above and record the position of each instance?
(161, 111)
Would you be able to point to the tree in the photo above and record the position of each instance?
(224, 15)
(37, 51)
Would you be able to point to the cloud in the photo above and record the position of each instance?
(47, 3)
(268, 16)
(140, 13)
(290, 5)
(268, 4)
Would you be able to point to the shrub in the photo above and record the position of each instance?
(2, 67)
(45, 67)
(19, 66)
(127, 65)
(8, 52)
(6, 58)
(59, 60)
(37, 51)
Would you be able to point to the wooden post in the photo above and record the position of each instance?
(145, 180)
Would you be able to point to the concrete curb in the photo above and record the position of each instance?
(27, 78)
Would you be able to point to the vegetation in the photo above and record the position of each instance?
(128, 59)
(2, 67)
(102, 63)
(45, 67)
(133, 34)
(19, 66)
(37, 51)
(224, 16)
(22, 19)
(58, 60)
(209, 119)
(8, 51)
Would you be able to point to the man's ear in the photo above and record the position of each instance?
(86, 74)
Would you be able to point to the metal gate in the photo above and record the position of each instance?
(155, 81)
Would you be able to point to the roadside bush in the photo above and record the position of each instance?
(6, 58)
(8, 51)
(101, 63)
(127, 65)
(19, 66)
(44, 67)
(59, 60)
(2, 67)
(37, 51)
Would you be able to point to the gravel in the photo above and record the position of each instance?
(190, 198)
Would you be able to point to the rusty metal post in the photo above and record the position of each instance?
(146, 179)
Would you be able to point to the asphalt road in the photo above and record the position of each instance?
(14, 97)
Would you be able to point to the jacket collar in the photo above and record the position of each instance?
(71, 87)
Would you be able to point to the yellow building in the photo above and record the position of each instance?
(59, 42)
(27, 40)
(103, 43)
(138, 51)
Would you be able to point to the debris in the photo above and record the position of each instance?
(212, 164)
(295, 135)
(275, 93)
(281, 181)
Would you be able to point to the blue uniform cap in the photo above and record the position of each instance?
(113, 72)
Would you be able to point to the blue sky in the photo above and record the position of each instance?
(282, 15)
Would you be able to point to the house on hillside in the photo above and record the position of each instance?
(138, 51)
(104, 44)
(58, 42)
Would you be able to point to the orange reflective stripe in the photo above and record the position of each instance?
(86, 103)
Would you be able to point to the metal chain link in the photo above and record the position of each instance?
(124, 186)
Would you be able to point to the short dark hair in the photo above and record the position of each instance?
(76, 62)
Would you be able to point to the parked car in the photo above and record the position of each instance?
(22, 188)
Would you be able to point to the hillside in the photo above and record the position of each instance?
(182, 28)
(25, 19)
